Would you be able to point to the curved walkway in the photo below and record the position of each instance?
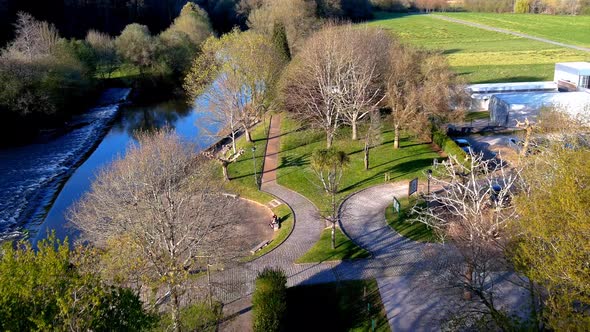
(407, 272)
(510, 32)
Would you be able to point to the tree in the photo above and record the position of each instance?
(297, 16)
(137, 46)
(161, 208)
(50, 289)
(269, 301)
(247, 66)
(183, 39)
(328, 165)
(34, 39)
(372, 137)
(421, 91)
(553, 226)
(473, 209)
(105, 54)
(279, 39)
(336, 78)
(522, 6)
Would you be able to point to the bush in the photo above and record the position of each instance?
(195, 317)
(269, 301)
(448, 145)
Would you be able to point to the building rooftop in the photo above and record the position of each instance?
(582, 68)
(511, 87)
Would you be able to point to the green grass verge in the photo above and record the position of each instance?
(322, 251)
(242, 182)
(402, 224)
(343, 306)
(480, 56)
(472, 116)
(297, 144)
(562, 28)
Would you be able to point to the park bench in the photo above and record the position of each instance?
(259, 246)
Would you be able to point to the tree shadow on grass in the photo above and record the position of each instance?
(402, 170)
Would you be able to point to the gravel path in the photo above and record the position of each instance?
(514, 33)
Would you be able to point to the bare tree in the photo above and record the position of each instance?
(104, 52)
(161, 208)
(373, 136)
(335, 78)
(362, 89)
(473, 209)
(34, 39)
(421, 91)
(328, 165)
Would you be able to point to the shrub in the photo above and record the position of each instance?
(195, 317)
(269, 302)
(448, 145)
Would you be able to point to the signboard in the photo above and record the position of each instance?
(413, 187)
(396, 205)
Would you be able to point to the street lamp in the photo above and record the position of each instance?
(254, 161)
(429, 177)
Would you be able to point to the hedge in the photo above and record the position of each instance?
(448, 145)
(269, 301)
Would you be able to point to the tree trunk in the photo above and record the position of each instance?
(366, 159)
(469, 279)
(333, 234)
(247, 134)
(396, 137)
(233, 142)
(329, 139)
(225, 173)
(175, 309)
(354, 131)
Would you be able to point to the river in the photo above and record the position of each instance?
(40, 182)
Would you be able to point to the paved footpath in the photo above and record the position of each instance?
(510, 32)
(406, 271)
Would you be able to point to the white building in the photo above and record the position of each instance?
(507, 109)
(573, 75)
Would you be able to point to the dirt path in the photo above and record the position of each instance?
(510, 32)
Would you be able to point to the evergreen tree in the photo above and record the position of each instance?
(279, 39)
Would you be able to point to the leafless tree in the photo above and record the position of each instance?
(373, 136)
(422, 92)
(336, 78)
(362, 90)
(104, 52)
(161, 208)
(473, 209)
(34, 39)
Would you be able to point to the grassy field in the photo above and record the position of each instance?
(297, 144)
(242, 182)
(343, 306)
(400, 223)
(480, 56)
(573, 30)
(322, 250)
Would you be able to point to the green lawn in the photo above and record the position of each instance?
(243, 182)
(573, 30)
(322, 250)
(343, 306)
(479, 55)
(297, 144)
(402, 224)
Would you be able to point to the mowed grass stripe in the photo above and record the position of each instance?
(573, 30)
(480, 55)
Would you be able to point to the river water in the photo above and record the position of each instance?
(40, 182)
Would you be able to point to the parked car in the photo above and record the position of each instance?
(463, 144)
